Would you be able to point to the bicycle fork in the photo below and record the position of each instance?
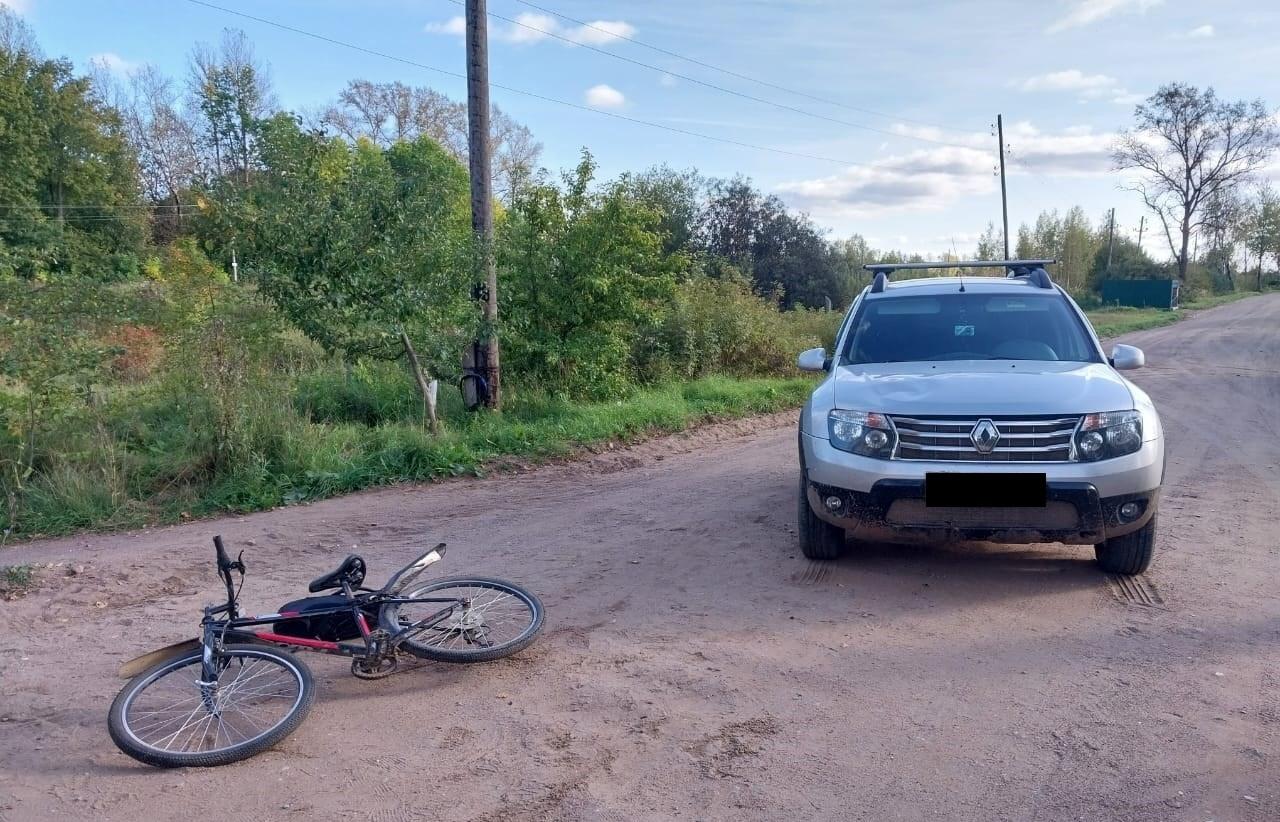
(209, 672)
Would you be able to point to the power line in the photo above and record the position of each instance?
(722, 89)
(121, 206)
(531, 94)
(730, 72)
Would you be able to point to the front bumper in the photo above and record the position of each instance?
(894, 511)
(884, 499)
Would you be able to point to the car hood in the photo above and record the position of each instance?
(981, 387)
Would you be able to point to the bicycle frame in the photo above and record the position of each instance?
(215, 633)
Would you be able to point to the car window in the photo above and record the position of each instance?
(968, 326)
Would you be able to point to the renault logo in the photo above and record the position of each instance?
(985, 435)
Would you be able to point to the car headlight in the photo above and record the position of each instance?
(1111, 434)
(862, 432)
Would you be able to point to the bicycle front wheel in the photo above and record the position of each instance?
(169, 718)
(469, 619)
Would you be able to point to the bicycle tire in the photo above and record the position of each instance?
(389, 619)
(125, 733)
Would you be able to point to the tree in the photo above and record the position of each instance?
(1258, 232)
(167, 145)
(990, 244)
(677, 197)
(387, 113)
(67, 174)
(783, 254)
(356, 243)
(584, 274)
(232, 90)
(1187, 146)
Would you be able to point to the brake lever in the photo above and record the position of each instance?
(238, 565)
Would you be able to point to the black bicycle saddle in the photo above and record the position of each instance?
(351, 571)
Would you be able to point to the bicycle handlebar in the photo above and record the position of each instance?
(225, 567)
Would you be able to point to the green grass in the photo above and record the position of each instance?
(1112, 322)
(1214, 300)
(306, 458)
(16, 580)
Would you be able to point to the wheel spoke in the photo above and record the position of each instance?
(170, 713)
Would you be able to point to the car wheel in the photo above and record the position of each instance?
(818, 539)
(1128, 554)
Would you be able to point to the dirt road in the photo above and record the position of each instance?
(695, 666)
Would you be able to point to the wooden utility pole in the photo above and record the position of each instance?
(484, 353)
(1004, 196)
(1142, 222)
(1111, 238)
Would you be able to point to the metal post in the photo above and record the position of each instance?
(1004, 196)
(1111, 239)
(481, 191)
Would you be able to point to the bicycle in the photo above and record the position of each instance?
(234, 692)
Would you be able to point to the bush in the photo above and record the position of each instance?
(720, 326)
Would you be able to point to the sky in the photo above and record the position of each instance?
(872, 117)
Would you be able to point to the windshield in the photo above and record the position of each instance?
(968, 326)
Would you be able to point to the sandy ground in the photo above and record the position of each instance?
(695, 666)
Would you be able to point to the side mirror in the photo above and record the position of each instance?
(815, 359)
(1127, 357)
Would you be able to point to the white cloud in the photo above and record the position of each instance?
(1069, 80)
(1200, 32)
(1086, 87)
(531, 27)
(925, 180)
(1086, 12)
(603, 96)
(528, 28)
(454, 25)
(114, 63)
(18, 7)
(934, 179)
(599, 32)
(666, 80)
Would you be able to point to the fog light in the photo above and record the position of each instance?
(833, 503)
(1130, 510)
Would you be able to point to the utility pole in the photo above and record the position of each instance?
(1004, 196)
(483, 354)
(1111, 238)
(1142, 221)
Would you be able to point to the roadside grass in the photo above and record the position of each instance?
(1214, 300)
(1112, 322)
(307, 459)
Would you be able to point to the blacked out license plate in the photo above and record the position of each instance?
(959, 490)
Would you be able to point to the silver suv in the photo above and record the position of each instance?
(978, 408)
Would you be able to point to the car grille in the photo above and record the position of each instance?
(1022, 439)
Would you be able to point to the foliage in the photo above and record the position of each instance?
(782, 253)
(354, 242)
(390, 113)
(584, 272)
(67, 174)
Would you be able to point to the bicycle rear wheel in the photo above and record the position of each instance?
(166, 717)
(488, 619)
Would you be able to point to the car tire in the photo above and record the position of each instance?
(818, 539)
(1128, 554)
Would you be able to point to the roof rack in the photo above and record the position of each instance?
(1033, 270)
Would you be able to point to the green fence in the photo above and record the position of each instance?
(1141, 293)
